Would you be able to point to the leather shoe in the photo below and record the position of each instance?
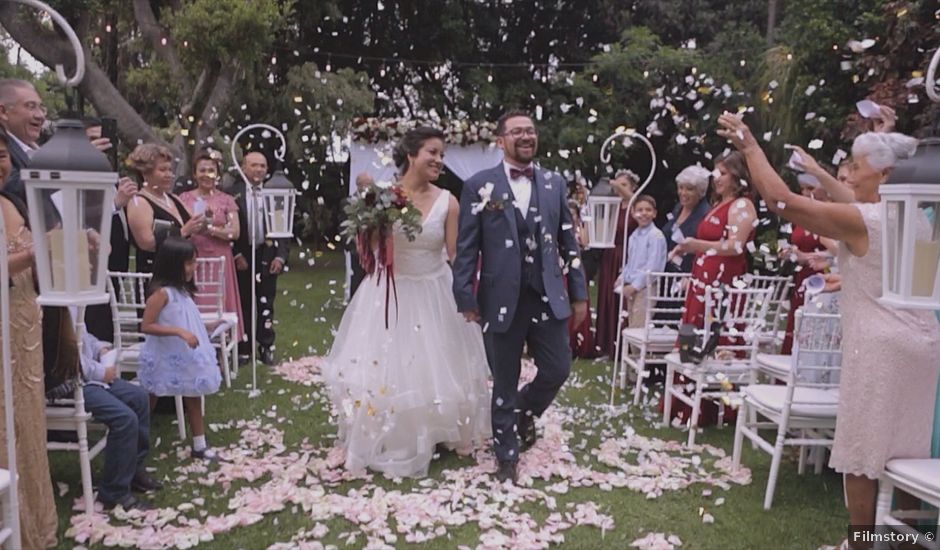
(128, 502)
(525, 425)
(144, 483)
(506, 470)
(267, 356)
(206, 454)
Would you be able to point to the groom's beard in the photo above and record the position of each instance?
(529, 149)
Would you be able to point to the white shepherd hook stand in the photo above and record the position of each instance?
(10, 533)
(626, 134)
(253, 191)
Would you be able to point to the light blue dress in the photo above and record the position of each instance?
(168, 366)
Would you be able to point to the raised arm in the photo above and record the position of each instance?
(838, 191)
(842, 222)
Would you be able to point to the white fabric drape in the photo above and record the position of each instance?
(373, 158)
(376, 160)
(470, 159)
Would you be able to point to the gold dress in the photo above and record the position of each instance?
(38, 520)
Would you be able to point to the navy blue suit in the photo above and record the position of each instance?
(522, 296)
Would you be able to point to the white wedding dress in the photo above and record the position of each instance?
(400, 391)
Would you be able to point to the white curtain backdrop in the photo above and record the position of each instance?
(470, 159)
(373, 158)
(376, 160)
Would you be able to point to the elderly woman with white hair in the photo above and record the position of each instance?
(889, 366)
(692, 189)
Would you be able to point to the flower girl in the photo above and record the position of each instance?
(177, 357)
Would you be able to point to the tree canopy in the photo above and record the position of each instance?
(191, 72)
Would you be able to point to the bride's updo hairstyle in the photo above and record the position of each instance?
(411, 143)
(883, 151)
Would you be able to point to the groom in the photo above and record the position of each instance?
(514, 217)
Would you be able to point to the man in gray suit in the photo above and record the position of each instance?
(515, 222)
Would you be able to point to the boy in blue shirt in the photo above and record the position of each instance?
(646, 253)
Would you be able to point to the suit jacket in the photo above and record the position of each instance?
(493, 235)
(242, 246)
(20, 160)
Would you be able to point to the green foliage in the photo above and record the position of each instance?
(209, 31)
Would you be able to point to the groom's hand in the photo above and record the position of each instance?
(472, 316)
(579, 310)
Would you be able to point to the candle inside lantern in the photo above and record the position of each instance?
(56, 243)
(279, 221)
(926, 263)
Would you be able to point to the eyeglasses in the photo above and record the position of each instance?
(519, 132)
(32, 106)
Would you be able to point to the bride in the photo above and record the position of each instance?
(401, 391)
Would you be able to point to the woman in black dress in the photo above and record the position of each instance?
(156, 211)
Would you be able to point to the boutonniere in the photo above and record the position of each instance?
(487, 201)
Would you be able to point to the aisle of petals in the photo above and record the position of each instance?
(260, 475)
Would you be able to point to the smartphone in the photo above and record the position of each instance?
(109, 130)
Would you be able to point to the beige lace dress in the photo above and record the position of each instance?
(889, 367)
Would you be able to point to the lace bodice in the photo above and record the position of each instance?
(425, 256)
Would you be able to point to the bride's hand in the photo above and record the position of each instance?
(733, 128)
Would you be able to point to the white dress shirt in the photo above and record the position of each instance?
(255, 205)
(26, 148)
(521, 189)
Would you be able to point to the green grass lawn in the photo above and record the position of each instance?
(808, 510)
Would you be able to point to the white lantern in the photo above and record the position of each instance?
(279, 196)
(910, 227)
(603, 215)
(70, 191)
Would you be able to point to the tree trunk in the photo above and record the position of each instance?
(49, 49)
(772, 7)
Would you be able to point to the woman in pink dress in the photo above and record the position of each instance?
(222, 214)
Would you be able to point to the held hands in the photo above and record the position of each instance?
(807, 163)
(579, 311)
(886, 121)
(102, 144)
(190, 338)
(818, 261)
(833, 282)
(733, 128)
(683, 248)
(472, 316)
(126, 190)
(110, 374)
(196, 224)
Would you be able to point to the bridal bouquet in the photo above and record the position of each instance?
(370, 218)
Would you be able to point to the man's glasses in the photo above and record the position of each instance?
(519, 132)
(32, 107)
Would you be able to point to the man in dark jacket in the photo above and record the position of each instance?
(270, 255)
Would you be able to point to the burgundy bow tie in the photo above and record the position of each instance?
(515, 173)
